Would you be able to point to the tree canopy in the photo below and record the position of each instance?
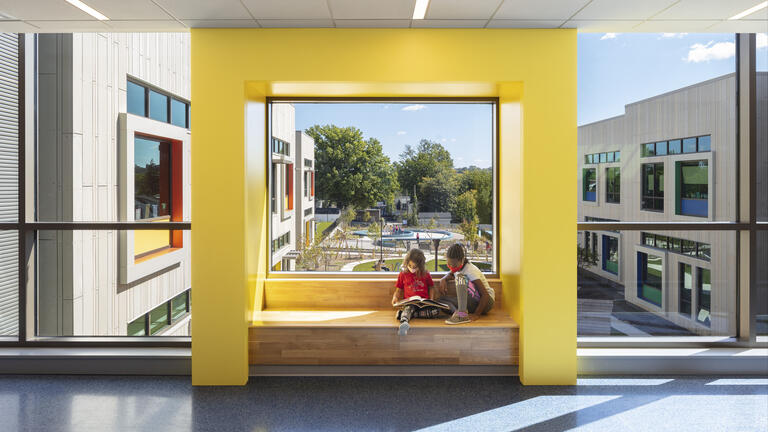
(351, 170)
(481, 181)
(428, 159)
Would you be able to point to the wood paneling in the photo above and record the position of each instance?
(336, 293)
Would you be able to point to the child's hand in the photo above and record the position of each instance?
(395, 300)
(443, 287)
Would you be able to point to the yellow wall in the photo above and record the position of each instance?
(533, 72)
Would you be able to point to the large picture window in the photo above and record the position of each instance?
(360, 183)
(653, 187)
(693, 188)
(613, 185)
(589, 186)
(152, 178)
(650, 275)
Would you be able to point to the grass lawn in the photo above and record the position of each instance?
(319, 227)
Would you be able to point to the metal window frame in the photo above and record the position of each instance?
(27, 230)
(746, 227)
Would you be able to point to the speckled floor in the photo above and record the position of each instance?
(87, 403)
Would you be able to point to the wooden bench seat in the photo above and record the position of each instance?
(303, 325)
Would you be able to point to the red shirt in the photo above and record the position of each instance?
(413, 285)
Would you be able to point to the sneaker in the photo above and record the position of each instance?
(427, 313)
(398, 314)
(458, 318)
(403, 330)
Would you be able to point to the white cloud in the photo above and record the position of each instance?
(673, 35)
(761, 40)
(609, 36)
(453, 139)
(401, 132)
(711, 51)
(414, 107)
(443, 140)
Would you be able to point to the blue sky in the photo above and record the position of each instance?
(614, 69)
(465, 130)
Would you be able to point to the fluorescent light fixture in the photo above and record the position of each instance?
(87, 9)
(750, 11)
(421, 9)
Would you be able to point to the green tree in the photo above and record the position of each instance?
(481, 181)
(465, 206)
(584, 257)
(428, 159)
(469, 229)
(436, 193)
(351, 170)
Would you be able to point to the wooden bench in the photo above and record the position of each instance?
(351, 322)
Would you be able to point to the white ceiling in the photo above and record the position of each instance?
(586, 15)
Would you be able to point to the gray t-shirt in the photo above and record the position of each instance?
(471, 275)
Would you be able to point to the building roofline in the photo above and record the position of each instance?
(681, 89)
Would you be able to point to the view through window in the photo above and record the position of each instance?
(356, 185)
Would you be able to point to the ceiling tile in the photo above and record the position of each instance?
(70, 26)
(17, 27)
(622, 9)
(709, 9)
(42, 10)
(373, 23)
(129, 9)
(544, 10)
(449, 23)
(675, 26)
(740, 26)
(202, 9)
(319, 23)
(604, 26)
(462, 9)
(288, 9)
(524, 24)
(249, 23)
(372, 9)
(146, 25)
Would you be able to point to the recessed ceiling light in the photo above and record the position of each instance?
(749, 11)
(421, 9)
(87, 9)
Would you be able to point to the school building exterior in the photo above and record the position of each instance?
(690, 135)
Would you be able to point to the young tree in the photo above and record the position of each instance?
(351, 170)
(468, 228)
(584, 257)
(465, 206)
(481, 181)
(374, 232)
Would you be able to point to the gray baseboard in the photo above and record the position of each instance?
(96, 361)
(680, 361)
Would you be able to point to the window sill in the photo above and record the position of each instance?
(155, 254)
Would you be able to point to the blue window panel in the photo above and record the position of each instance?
(661, 148)
(693, 207)
(675, 146)
(136, 99)
(158, 106)
(590, 196)
(705, 143)
(178, 113)
(689, 145)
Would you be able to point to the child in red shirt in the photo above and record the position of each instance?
(414, 280)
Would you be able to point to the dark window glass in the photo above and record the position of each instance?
(603, 158)
(273, 189)
(158, 106)
(653, 187)
(613, 185)
(649, 277)
(674, 245)
(617, 156)
(705, 143)
(694, 186)
(611, 254)
(590, 184)
(137, 326)
(610, 156)
(587, 159)
(686, 288)
(689, 145)
(661, 242)
(158, 318)
(704, 294)
(661, 148)
(178, 306)
(675, 146)
(704, 251)
(136, 99)
(649, 240)
(689, 247)
(178, 113)
(152, 178)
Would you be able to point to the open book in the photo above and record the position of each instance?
(420, 302)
